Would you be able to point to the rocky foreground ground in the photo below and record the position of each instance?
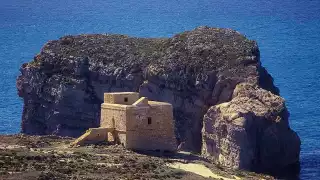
(50, 157)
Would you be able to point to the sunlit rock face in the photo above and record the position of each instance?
(62, 88)
(251, 132)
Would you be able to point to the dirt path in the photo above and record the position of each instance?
(199, 169)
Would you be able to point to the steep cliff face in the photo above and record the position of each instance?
(251, 132)
(63, 86)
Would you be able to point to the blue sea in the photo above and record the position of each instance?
(287, 31)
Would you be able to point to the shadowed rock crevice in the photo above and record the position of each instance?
(63, 86)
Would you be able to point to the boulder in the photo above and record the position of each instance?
(251, 132)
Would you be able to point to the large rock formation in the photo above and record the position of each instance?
(63, 86)
(251, 132)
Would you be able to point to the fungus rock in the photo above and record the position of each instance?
(62, 88)
(251, 132)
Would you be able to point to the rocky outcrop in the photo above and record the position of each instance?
(251, 132)
(46, 157)
(63, 86)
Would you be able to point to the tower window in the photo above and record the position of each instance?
(125, 99)
(149, 120)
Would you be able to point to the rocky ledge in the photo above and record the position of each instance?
(50, 158)
(196, 71)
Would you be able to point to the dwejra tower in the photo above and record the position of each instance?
(134, 122)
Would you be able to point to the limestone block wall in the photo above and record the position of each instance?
(149, 140)
(137, 118)
(127, 98)
(163, 135)
(96, 135)
(92, 135)
(151, 127)
(146, 125)
(114, 116)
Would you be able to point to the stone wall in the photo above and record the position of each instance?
(114, 116)
(92, 136)
(151, 127)
(127, 98)
(147, 125)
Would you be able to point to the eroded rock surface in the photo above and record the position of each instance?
(63, 86)
(51, 157)
(251, 132)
